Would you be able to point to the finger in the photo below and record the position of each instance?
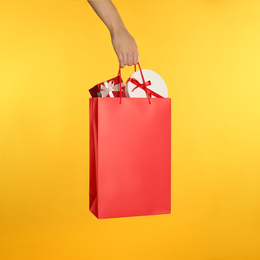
(136, 58)
(121, 60)
(130, 59)
(125, 58)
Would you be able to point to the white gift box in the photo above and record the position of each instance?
(156, 87)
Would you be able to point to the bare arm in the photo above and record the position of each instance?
(124, 44)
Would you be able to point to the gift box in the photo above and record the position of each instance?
(109, 88)
(154, 85)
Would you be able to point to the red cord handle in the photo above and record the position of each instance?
(144, 83)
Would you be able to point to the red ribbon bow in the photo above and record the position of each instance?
(143, 86)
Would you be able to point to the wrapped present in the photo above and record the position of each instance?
(154, 86)
(109, 88)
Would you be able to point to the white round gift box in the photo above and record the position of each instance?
(157, 84)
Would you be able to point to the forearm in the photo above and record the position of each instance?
(108, 13)
(123, 42)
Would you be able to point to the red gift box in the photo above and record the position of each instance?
(109, 88)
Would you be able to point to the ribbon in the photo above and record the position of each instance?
(108, 87)
(143, 86)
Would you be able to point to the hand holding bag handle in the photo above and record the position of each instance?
(143, 85)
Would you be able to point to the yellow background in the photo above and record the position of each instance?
(52, 52)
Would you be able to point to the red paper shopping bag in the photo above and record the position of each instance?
(130, 156)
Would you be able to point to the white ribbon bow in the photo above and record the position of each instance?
(108, 87)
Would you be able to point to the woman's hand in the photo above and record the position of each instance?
(123, 42)
(125, 47)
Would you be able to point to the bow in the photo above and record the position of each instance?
(143, 86)
(108, 87)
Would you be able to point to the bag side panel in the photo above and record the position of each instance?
(93, 142)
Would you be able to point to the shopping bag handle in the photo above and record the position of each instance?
(120, 79)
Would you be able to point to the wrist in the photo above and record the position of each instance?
(117, 29)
